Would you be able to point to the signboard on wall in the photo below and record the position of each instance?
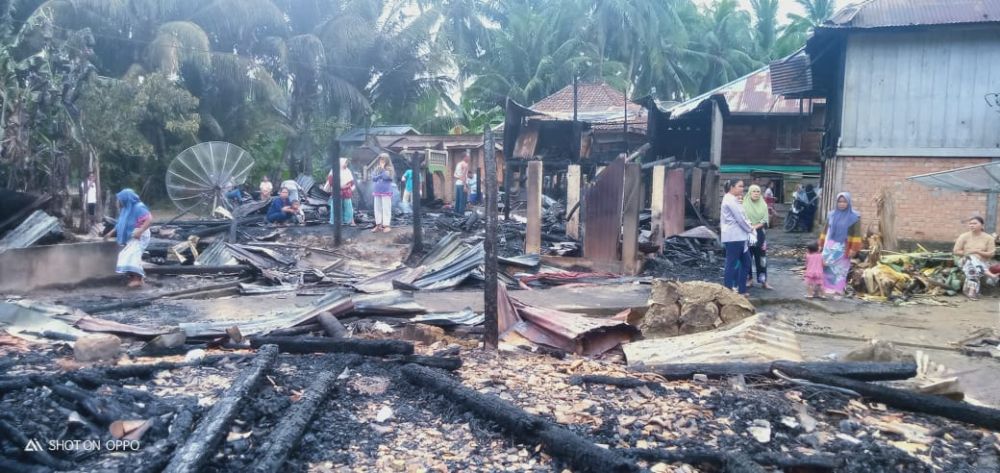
(437, 161)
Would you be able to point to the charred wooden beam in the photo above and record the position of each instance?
(628, 383)
(901, 399)
(286, 435)
(103, 409)
(214, 425)
(439, 362)
(155, 459)
(300, 345)
(818, 463)
(40, 456)
(332, 326)
(580, 453)
(863, 371)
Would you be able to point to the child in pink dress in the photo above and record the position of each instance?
(814, 272)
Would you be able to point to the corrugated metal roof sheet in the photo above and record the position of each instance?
(978, 178)
(791, 75)
(358, 134)
(749, 95)
(888, 13)
(34, 228)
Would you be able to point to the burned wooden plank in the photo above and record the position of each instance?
(214, 425)
(901, 399)
(602, 214)
(301, 345)
(37, 455)
(863, 371)
(440, 362)
(293, 331)
(620, 382)
(286, 435)
(580, 453)
(490, 271)
(155, 459)
(332, 326)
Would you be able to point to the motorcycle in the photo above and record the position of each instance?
(794, 217)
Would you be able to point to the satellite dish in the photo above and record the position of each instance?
(199, 178)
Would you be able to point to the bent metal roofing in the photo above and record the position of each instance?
(895, 13)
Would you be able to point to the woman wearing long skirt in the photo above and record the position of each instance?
(736, 236)
(757, 212)
(132, 233)
(382, 193)
(840, 240)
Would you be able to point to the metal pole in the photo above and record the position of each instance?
(491, 336)
(338, 206)
(416, 165)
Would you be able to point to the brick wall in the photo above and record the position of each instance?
(922, 213)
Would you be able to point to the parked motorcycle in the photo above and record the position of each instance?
(794, 217)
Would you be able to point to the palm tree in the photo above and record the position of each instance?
(794, 35)
(725, 46)
(765, 25)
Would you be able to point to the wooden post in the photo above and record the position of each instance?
(696, 185)
(507, 177)
(533, 235)
(338, 207)
(416, 165)
(573, 201)
(657, 204)
(673, 205)
(630, 219)
(491, 337)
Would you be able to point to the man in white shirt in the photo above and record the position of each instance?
(88, 189)
(461, 176)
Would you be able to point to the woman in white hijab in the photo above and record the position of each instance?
(346, 193)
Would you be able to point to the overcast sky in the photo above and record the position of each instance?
(785, 7)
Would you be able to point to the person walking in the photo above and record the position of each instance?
(382, 177)
(461, 177)
(737, 235)
(132, 233)
(758, 215)
(840, 241)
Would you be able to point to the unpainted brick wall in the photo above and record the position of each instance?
(922, 213)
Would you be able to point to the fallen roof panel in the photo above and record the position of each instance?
(34, 228)
(983, 178)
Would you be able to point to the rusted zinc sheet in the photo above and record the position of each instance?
(602, 219)
(336, 302)
(34, 228)
(756, 339)
(887, 13)
(563, 330)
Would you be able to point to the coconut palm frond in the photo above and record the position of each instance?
(176, 44)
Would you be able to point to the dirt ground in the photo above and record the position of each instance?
(833, 328)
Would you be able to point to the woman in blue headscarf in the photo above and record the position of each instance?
(841, 240)
(132, 232)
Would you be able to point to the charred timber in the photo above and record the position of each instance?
(901, 399)
(332, 326)
(628, 383)
(580, 453)
(862, 371)
(292, 331)
(157, 457)
(42, 457)
(213, 426)
(286, 435)
(439, 362)
(302, 345)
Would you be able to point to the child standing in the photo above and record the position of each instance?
(814, 271)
